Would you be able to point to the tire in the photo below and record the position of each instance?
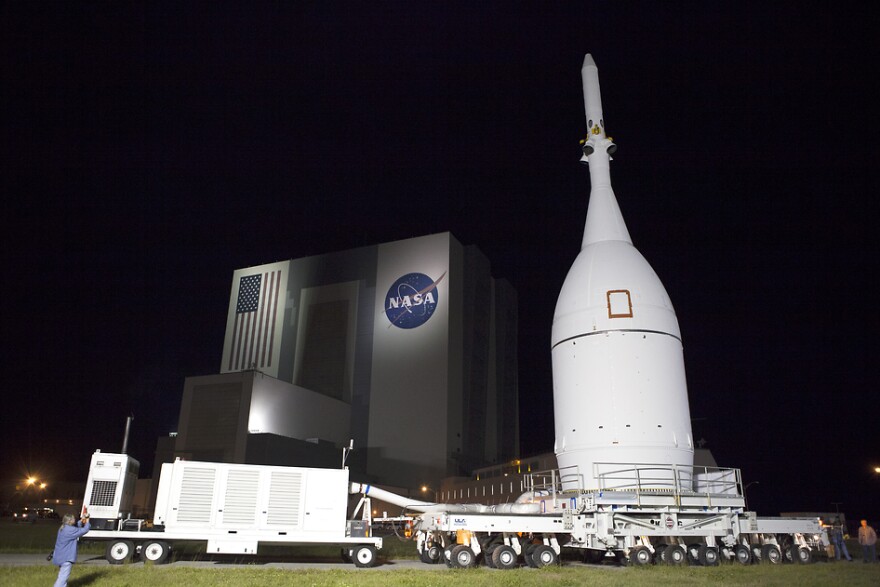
(757, 553)
(431, 555)
(363, 555)
(487, 556)
(693, 553)
(771, 555)
(802, 555)
(504, 557)
(675, 555)
(155, 551)
(708, 556)
(660, 553)
(593, 556)
(743, 554)
(119, 551)
(464, 557)
(435, 553)
(527, 555)
(544, 556)
(640, 556)
(447, 557)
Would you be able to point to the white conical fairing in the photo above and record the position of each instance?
(619, 386)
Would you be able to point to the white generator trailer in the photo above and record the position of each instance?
(232, 508)
(641, 514)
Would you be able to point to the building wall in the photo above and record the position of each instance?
(220, 412)
(316, 348)
(214, 415)
(278, 407)
(414, 424)
(500, 483)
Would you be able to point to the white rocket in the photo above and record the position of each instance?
(619, 386)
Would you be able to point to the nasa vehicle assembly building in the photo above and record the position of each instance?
(408, 348)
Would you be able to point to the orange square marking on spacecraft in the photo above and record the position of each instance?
(619, 303)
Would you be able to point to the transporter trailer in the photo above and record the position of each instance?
(230, 508)
(639, 515)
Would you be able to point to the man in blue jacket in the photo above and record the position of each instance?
(837, 539)
(64, 554)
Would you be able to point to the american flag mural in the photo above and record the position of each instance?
(254, 331)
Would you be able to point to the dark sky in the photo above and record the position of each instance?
(148, 151)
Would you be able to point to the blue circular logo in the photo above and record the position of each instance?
(411, 300)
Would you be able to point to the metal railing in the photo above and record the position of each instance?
(641, 479)
(554, 481)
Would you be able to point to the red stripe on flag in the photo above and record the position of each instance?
(258, 324)
(265, 324)
(274, 314)
(236, 335)
(252, 341)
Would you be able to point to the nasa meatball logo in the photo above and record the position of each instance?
(411, 300)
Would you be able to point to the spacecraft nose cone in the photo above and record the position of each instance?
(604, 220)
(588, 62)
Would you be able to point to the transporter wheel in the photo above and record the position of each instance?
(786, 547)
(675, 555)
(660, 553)
(801, 555)
(487, 556)
(593, 556)
(363, 555)
(504, 557)
(693, 553)
(119, 551)
(544, 556)
(464, 557)
(447, 556)
(726, 554)
(155, 551)
(527, 551)
(640, 556)
(431, 554)
(708, 556)
(743, 554)
(757, 553)
(771, 554)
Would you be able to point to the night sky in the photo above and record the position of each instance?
(148, 151)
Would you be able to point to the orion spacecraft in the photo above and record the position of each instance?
(619, 386)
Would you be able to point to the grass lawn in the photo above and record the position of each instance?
(820, 574)
(39, 538)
